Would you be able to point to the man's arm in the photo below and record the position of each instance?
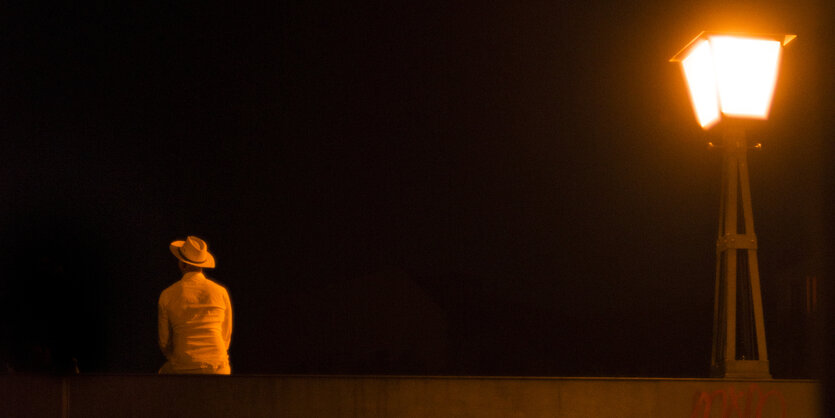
(164, 330)
(226, 331)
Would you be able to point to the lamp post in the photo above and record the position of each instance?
(731, 78)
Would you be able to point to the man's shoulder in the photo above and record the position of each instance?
(170, 289)
(212, 283)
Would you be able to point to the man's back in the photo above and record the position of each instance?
(195, 325)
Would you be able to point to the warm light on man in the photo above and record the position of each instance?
(195, 315)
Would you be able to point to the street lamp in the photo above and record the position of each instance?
(731, 75)
(731, 78)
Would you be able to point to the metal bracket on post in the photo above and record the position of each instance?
(736, 241)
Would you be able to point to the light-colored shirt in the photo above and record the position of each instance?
(195, 323)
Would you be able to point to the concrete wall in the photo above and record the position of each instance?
(373, 396)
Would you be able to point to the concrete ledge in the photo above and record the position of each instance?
(402, 396)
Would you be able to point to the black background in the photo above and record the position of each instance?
(492, 188)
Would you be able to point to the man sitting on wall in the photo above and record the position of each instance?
(195, 315)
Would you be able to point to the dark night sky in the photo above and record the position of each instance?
(447, 189)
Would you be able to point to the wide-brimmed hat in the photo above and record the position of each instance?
(193, 251)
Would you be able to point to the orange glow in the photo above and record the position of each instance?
(746, 73)
(731, 75)
(701, 80)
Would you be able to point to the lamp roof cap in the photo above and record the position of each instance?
(783, 39)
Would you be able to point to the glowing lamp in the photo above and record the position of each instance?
(731, 75)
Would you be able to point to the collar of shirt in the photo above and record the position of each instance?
(193, 275)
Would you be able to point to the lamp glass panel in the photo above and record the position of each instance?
(746, 73)
(701, 81)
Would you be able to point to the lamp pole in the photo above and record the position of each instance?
(732, 76)
(739, 348)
